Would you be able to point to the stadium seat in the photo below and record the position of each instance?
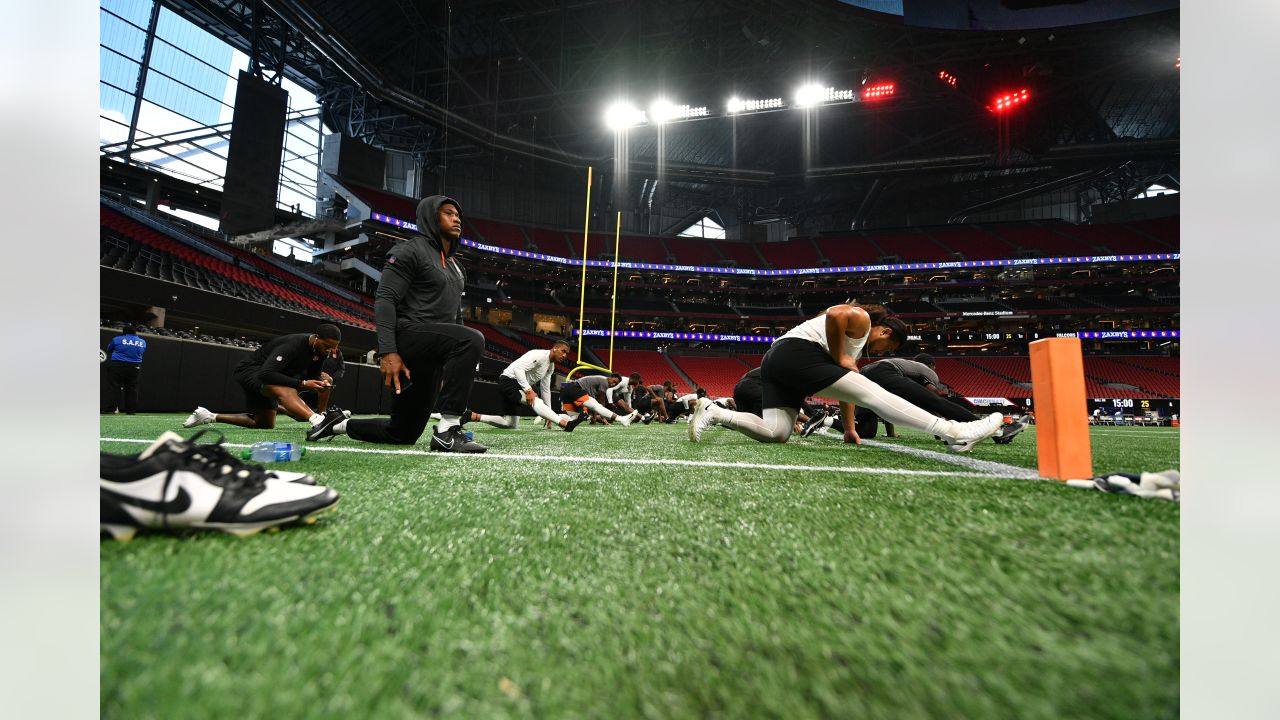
(717, 375)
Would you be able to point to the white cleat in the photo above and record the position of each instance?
(177, 483)
(626, 420)
(200, 417)
(703, 417)
(292, 477)
(971, 433)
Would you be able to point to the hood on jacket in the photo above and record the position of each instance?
(428, 226)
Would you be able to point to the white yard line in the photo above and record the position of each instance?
(979, 468)
(987, 467)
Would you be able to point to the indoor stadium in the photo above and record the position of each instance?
(866, 315)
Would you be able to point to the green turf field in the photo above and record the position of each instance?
(587, 575)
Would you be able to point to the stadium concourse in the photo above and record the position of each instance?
(669, 198)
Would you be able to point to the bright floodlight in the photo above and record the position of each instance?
(665, 111)
(622, 115)
(810, 94)
(662, 111)
(738, 105)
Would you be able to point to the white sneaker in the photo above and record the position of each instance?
(968, 434)
(703, 417)
(200, 417)
(625, 420)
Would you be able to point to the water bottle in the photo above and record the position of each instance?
(266, 452)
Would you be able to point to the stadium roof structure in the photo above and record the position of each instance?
(514, 82)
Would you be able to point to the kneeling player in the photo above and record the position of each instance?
(272, 377)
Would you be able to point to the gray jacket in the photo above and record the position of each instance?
(420, 282)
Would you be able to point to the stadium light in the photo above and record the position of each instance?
(663, 111)
(1008, 101)
(622, 115)
(810, 94)
(878, 91)
(738, 105)
(814, 94)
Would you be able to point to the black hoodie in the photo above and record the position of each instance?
(420, 282)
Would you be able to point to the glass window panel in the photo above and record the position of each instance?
(118, 71)
(116, 109)
(197, 218)
(137, 12)
(175, 96)
(704, 228)
(121, 36)
(190, 37)
(184, 160)
(300, 98)
(209, 79)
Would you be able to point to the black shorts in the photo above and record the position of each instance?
(794, 369)
(253, 397)
(511, 395)
(644, 403)
(572, 396)
(747, 393)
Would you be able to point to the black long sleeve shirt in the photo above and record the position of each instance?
(286, 360)
(421, 283)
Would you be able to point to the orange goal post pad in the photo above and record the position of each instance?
(1062, 412)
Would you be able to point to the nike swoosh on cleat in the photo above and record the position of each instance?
(447, 446)
(177, 505)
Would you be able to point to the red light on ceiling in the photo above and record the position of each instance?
(875, 92)
(947, 78)
(1009, 101)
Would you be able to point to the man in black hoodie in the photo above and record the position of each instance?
(418, 312)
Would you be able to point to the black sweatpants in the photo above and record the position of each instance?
(890, 378)
(441, 358)
(120, 386)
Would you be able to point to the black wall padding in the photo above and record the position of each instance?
(178, 375)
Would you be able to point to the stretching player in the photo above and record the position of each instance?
(820, 356)
(589, 393)
(647, 399)
(619, 393)
(916, 381)
(681, 405)
(516, 389)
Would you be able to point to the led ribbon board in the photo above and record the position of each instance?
(712, 337)
(833, 270)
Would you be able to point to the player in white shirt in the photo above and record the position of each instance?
(516, 387)
(820, 357)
